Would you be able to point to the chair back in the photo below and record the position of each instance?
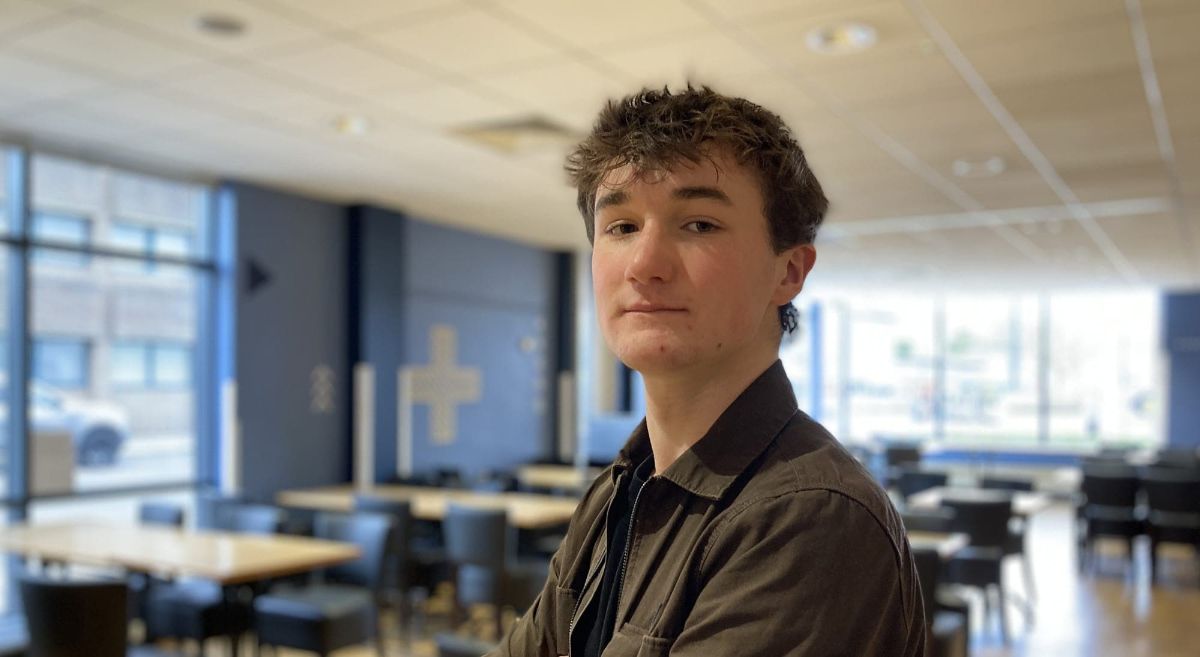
(400, 550)
(985, 521)
(911, 481)
(1177, 458)
(448, 478)
(1012, 484)
(929, 565)
(898, 455)
(372, 533)
(1110, 485)
(940, 520)
(256, 519)
(1172, 490)
(74, 618)
(160, 513)
(476, 537)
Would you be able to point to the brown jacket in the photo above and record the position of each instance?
(765, 538)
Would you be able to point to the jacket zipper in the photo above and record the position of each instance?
(599, 568)
(628, 543)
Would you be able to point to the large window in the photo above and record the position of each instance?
(62, 362)
(990, 365)
(113, 350)
(1060, 370)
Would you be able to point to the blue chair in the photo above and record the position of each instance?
(346, 607)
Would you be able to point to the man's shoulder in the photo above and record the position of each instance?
(805, 463)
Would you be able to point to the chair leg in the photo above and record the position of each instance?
(1001, 605)
(1027, 569)
(1153, 560)
(379, 634)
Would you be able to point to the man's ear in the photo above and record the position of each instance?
(794, 265)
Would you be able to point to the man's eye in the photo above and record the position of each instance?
(701, 226)
(620, 228)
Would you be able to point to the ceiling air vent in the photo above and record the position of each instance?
(531, 134)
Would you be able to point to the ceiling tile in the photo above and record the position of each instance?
(18, 16)
(249, 89)
(1089, 49)
(345, 68)
(967, 22)
(898, 34)
(705, 56)
(92, 42)
(25, 78)
(445, 106)
(360, 13)
(463, 41)
(590, 24)
(562, 84)
(178, 20)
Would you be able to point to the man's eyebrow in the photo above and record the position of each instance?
(615, 198)
(702, 191)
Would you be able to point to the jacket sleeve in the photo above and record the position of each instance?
(533, 635)
(808, 574)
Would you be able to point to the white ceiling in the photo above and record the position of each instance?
(1094, 105)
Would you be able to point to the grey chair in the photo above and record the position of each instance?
(197, 609)
(947, 627)
(480, 546)
(452, 645)
(1172, 510)
(985, 521)
(78, 619)
(910, 480)
(1018, 528)
(345, 607)
(1109, 508)
(160, 513)
(140, 584)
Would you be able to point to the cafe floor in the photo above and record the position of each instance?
(1113, 612)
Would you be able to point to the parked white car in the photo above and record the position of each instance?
(97, 428)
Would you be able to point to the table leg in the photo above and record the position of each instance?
(228, 598)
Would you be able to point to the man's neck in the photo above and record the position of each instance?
(682, 406)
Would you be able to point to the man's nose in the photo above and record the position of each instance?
(654, 256)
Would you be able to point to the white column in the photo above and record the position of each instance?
(364, 426)
(404, 430)
(230, 441)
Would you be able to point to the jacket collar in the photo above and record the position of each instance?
(738, 436)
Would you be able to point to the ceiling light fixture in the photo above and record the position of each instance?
(841, 38)
(221, 25)
(526, 134)
(352, 125)
(985, 167)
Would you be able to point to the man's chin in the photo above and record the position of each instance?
(659, 358)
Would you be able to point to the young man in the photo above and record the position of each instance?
(731, 523)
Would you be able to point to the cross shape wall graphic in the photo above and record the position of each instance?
(444, 385)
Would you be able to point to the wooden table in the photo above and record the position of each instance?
(231, 560)
(222, 557)
(1024, 503)
(561, 477)
(525, 510)
(947, 545)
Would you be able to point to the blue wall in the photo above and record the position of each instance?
(293, 322)
(1181, 341)
(409, 275)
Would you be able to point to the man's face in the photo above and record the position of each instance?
(683, 269)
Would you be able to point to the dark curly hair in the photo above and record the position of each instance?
(654, 129)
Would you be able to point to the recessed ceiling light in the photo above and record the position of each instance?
(841, 38)
(222, 25)
(353, 125)
(986, 167)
